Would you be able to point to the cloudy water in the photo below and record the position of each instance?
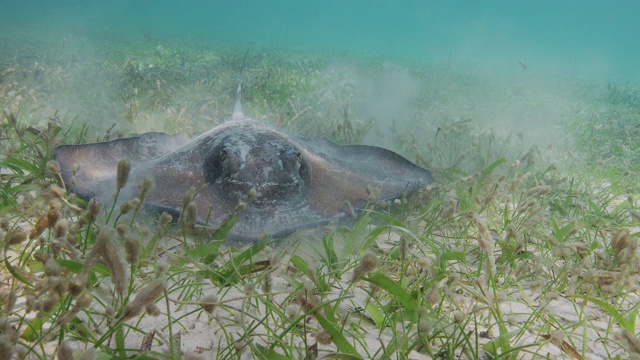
(598, 36)
(512, 50)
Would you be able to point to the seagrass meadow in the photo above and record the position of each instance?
(524, 247)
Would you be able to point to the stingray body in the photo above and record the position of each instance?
(286, 183)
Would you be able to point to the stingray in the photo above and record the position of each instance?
(284, 183)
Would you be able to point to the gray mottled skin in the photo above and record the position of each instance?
(287, 183)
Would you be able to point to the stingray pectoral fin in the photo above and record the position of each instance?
(393, 173)
(334, 190)
(342, 176)
(82, 170)
(173, 179)
(372, 161)
(96, 164)
(209, 210)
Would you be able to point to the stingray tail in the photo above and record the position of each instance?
(237, 108)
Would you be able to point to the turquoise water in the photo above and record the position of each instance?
(599, 37)
(518, 66)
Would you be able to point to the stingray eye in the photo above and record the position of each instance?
(230, 161)
(298, 162)
(291, 160)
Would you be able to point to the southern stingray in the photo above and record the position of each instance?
(285, 183)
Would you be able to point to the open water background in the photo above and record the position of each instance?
(522, 67)
(601, 38)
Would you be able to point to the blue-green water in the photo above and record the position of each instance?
(517, 66)
(600, 37)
